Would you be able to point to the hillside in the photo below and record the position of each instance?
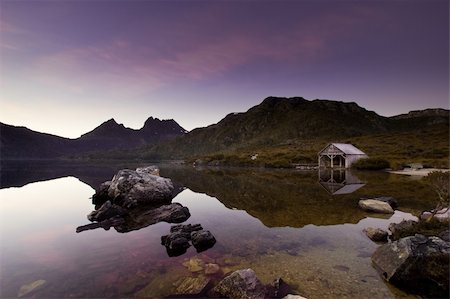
(283, 131)
(23, 143)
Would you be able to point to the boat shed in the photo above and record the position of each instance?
(340, 155)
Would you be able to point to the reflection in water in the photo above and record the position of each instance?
(339, 181)
(280, 223)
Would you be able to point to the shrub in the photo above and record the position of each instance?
(371, 164)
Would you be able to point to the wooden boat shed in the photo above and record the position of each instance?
(340, 155)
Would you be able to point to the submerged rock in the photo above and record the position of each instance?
(241, 284)
(376, 234)
(194, 264)
(417, 263)
(30, 287)
(211, 269)
(190, 286)
(375, 206)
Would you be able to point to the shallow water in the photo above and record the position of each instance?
(279, 223)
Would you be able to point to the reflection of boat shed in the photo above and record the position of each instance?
(340, 155)
(339, 181)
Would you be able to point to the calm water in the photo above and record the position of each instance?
(285, 224)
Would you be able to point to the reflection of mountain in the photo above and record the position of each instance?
(19, 173)
(277, 198)
(340, 181)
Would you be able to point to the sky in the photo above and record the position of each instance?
(68, 66)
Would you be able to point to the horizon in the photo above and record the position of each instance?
(66, 67)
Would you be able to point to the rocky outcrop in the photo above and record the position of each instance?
(417, 263)
(129, 188)
(376, 234)
(376, 206)
(134, 199)
(177, 242)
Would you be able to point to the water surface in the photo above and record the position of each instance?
(280, 223)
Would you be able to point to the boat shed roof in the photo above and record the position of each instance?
(346, 148)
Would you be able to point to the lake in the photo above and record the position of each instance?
(302, 226)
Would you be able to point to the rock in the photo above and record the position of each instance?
(129, 188)
(442, 215)
(279, 289)
(106, 211)
(202, 240)
(105, 224)
(387, 199)
(190, 286)
(445, 235)
(140, 217)
(376, 234)
(30, 287)
(176, 243)
(375, 206)
(101, 194)
(403, 229)
(194, 264)
(211, 269)
(153, 170)
(241, 284)
(417, 263)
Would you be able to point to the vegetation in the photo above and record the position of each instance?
(371, 164)
(439, 181)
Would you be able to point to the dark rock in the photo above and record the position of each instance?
(417, 263)
(445, 235)
(202, 240)
(101, 194)
(177, 241)
(241, 284)
(279, 289)
(376, 234)
(140, 217)
(105, 224)
(403, 229)
(106, 211)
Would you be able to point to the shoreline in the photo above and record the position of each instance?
(418, 172)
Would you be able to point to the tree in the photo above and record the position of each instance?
(439, 181)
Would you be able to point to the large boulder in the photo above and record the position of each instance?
(376, 206)
(129, 188)
(107, 211)
(417, 263)
(241, 284)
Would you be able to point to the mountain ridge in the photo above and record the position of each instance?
(19, 142)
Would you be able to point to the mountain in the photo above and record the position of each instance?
(21, 142)
(287, 131)
(278, 121)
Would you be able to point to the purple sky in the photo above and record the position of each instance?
(67, 66)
